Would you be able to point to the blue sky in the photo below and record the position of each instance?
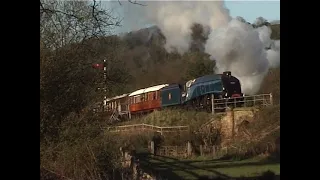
(250, 10)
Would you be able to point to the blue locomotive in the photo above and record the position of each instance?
(197, 93)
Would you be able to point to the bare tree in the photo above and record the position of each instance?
(199, 37)
(73, 35)
(65, 22)
(241, 19)
(260, 21)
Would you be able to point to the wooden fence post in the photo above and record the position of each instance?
(176, 151)
(189, 149)
(152, 147)
(212, 104)
(271, 99)
(213, 151)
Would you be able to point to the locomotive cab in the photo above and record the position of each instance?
(231, 85)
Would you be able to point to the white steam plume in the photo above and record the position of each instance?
(235, 45)
(175, 19)
(245, 51)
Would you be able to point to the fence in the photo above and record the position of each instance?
(188, 150)
(213, 151)
(245, 101)
(146, 127)
(173, 151)
(185, 151)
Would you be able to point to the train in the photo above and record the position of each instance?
(194, 94)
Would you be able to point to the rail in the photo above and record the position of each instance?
(245, 101)
(146, 127)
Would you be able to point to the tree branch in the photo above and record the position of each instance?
(135, 2)
(132, 2)
(47, 10)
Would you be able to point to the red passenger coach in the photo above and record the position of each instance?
(118, 103)
(146, 99)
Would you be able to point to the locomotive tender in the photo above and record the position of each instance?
(195, 93)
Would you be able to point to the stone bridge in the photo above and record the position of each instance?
(231, 121)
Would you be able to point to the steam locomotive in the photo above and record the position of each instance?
(198, 93)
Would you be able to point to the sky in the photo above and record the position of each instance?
(249, 10)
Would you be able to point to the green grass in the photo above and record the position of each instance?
(193, 169)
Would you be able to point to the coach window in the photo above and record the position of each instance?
(158, 94)
(154, 95)
(150, 95)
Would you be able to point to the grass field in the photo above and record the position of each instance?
(170, 168)
(175, 117)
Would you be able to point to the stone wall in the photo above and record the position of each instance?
(233, 118)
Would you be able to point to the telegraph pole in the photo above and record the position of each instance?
(105, 83)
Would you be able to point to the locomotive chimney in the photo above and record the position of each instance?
(227, 73)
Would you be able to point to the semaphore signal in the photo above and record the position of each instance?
(104, 67)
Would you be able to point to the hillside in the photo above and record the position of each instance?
(275, 31)
(271, 84)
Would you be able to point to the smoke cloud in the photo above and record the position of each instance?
(245, 51)
(235, 45)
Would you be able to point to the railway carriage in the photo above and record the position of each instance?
(118, 103)
(145, 100)
(171, 95)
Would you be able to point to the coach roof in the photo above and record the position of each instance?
(148, 89)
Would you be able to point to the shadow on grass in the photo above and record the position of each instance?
(268, 175)
(273, 157)
(165, 168)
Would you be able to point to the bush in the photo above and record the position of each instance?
(264, 137)
(271, 84)
(82, 152)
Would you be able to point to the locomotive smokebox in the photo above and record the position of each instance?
(227, 73)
